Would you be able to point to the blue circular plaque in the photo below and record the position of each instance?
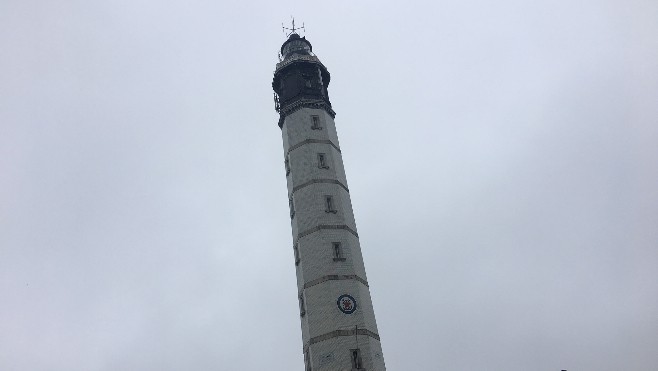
(346, 304)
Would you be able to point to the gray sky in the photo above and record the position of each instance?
(501, 158)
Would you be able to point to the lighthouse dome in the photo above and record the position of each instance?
(296, 45)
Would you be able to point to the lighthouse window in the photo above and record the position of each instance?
(338, 251)
(295, 247)
(322, 161)
(316, 122)
(302, 307)
(287, 163)
(329, 203)
(355, 356)
(292, 207)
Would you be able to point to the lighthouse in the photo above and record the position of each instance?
(339, 330)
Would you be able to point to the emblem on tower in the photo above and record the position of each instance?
(346, 304)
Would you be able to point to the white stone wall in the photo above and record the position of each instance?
(331, 354)
(321, 278)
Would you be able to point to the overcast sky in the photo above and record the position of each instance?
(502, 159)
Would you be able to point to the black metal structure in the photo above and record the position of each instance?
(300, 79)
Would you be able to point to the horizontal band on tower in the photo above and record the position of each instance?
(314, 181)
(335, 277)
(289, 107)
(325, 226)
(337, 333)
(313, 141)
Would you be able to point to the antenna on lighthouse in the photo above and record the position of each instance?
(292, 29)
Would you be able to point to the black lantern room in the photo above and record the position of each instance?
(300, 79)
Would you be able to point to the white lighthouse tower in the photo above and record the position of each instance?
(339, 330)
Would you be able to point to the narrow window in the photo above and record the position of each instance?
(338, 251)
(292, 207)
(322, 161)
(329, 203)
(287, 163)
(295, 247)
(302, 307)
(316, 123)
(355, 356)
